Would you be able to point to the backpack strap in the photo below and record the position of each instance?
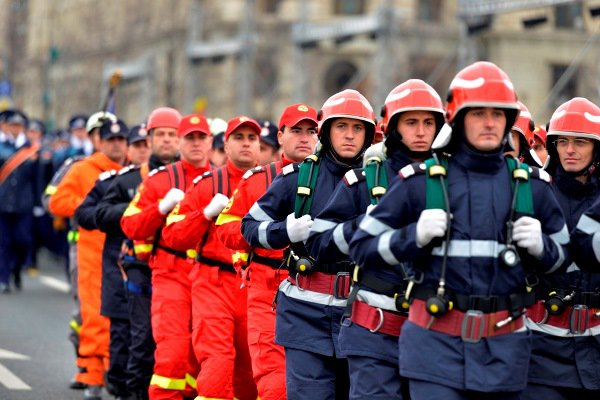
(520, 173)
(434, 195)
(377, 179)
(307, 180)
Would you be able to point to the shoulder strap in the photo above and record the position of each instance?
(307, 180)
(144, 170)
(434, 195)
(377, 179)
(519, 173)
(271, 173)
(18, 158)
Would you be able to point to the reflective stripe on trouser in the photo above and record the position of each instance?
(94, 335)
(173, 383)
(268, 358)
(171, 320)
(219, 335)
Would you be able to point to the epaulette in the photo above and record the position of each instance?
(417, 168)
(129, 168)
(253, 171)
(354, 176)
(157, 170)
(200, 177)
(107, 174)
(290, 168)
(540, 174)
(72, 160)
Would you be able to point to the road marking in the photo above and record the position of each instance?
(7, 378)
(54, 283)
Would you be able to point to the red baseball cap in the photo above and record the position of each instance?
(240, 121)
(193, 123)
(296, 113)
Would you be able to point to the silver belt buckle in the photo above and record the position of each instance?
(469, 331)
(578, 320)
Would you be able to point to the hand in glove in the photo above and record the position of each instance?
(216, 205)
(527, 234)
(171, 199)
(432, 223)
(298, 228)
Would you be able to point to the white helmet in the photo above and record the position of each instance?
(97, 119)
(217, 125)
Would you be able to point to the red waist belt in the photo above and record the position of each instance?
(377, 320)
(335, 285)
(471, 325)
(576, 318)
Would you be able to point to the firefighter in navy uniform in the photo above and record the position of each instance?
(19, 185)
(412, 115)
(523, 139)
(309, 310)
(565, 361)
(466, 336)
(297, 136)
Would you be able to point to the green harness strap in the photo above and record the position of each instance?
(519, 172)
(307, 180)
(377, 179)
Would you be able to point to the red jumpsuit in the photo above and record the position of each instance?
(175, 364)
(262, 278)
(219, 332)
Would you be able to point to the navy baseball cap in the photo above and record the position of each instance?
(110, 130)
(16, 117)
(137, 134)
(268, 133)
(78, 121)
(37, 125)
(218, 142)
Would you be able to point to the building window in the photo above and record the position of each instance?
(339, 75)
(569, 89)
(568, 16)
(349, 7)
(429, 10)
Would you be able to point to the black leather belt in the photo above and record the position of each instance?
(216, 263)
(176, 253)
(269, 262)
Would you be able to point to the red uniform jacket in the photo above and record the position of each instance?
(142, 220)
(187, 227)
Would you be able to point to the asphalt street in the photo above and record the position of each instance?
(36, 359)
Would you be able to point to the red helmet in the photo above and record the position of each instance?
(193, 123)
(524, 124)
(164, 117)
(412, 95)
(482, 84)
(577, 117)
(347, 104)
(378, 132)
(540, 133)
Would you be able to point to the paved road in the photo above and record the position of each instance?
(36, 359)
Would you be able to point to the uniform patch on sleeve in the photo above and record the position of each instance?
(354, 176)
(412, 169)
(157, 170)
(107, 174)
(540, 174)
(290, 168)
(252, 171)
(128, 168)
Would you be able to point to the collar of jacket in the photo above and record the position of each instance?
(570, 186)
(478, 161)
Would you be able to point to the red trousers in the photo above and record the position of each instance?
(175, 365)
(268, 358)
(219, 335)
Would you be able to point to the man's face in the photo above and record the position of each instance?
(218, 157)
(79, 133)
(540, 150)
(139, 152)
(164, 143)
(195, 147)
(242, 147)
(114, 148)
(14, 129)
(484, 127)
(574, 153)
(33, 135)
(267, 154)
(515, 135)
(417, 129)
(298, 141)
(347, 136)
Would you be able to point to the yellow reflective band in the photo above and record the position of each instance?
(131, 210)
(74, 326)
(50, 190)
(227, 218)
(73, 236)
(239, 256)
(191, 253)
(143, 248)
(190, 380)
(167, 383)
(173, 218)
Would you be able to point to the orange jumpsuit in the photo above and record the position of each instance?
(218, 303)
(262, 278)
(175, 365)
(94, 335)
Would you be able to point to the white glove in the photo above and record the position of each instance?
(216, 205)
(298, 228)
(527, 233)
(370, 208)
(171, 199)
(432, 223)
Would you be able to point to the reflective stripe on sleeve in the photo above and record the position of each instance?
(470, 248)
(340, 240)
(131, 210)
(373, 226)
(384, 249)
(262, 234)
(562, 236)
(596, 245)
(223, 219)
(174, 218)
(259, 214)
(588, 225)
(322, 225)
